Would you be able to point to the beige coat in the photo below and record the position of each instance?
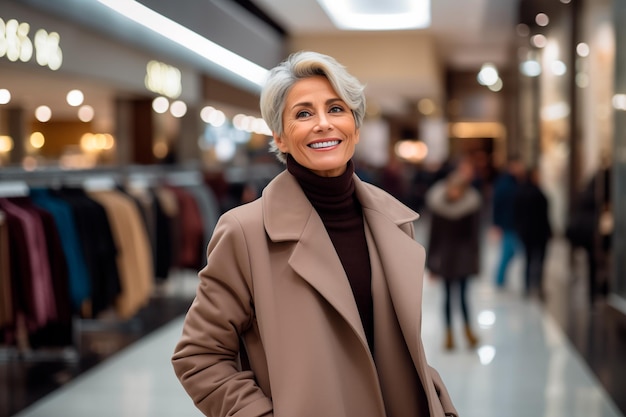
(274, 278)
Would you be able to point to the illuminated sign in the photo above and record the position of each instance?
(163, 79)
(16, 45)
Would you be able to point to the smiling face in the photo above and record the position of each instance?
(319, 130)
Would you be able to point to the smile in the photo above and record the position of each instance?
(327, 144)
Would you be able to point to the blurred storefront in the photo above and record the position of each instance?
(91, 103)
(570, 117)
(617, 157)
(134, 104)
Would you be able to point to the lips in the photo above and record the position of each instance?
(324, 144)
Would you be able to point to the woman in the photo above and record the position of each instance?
(309, 304)
(453, 247)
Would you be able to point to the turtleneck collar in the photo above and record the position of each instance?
(324, 188)
(332, 197)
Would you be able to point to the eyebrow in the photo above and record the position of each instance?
(309, 104)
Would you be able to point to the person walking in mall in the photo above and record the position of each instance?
(310, 301)
(503, 212)
(454, 242)
(532, 225)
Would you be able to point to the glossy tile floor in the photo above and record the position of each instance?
(532, 360)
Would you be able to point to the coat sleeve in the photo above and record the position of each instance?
(206, 358)
(442, 392)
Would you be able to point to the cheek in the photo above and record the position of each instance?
(290, 136)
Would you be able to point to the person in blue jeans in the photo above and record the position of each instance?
(503, 212)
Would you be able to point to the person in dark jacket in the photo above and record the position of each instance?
(533, 228)
(454, 241)
(503, 208)
(586, 230)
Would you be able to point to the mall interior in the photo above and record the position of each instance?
(143, 117)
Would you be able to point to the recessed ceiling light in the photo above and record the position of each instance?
(75, 98)
(189, 39)
(388, 15)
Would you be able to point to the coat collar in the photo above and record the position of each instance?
(289, 216)
(286, 209)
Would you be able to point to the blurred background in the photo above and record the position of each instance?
(160, 98)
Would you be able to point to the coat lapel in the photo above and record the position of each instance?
(289, 216)
(401, 256)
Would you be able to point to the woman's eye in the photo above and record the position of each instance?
(303, 113)
(335, 109)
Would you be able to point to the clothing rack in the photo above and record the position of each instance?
(13, 189)
(16, 182)
(57, 176)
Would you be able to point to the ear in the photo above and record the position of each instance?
(280, 143)
(357, 137)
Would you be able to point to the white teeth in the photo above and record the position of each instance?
(327, 144)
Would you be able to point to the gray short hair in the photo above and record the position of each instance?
(300, 65)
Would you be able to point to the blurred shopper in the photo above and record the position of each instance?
(454, 242)
(533, 228)
(590, 228)
(309, 304)
(503, 212)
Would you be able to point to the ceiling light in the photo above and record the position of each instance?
(497, 86)
(488, 75)
(178, 109)
(37, 140)
(43, 113)
(619, 102)
(390, 15)
(6, 143)
(530, 68)
(542, 19)
(582, 49)
(5, 96)
(75, 98)
(539, 40)
(189, 39)
(558, 67)
(160, 104)
(86, 113)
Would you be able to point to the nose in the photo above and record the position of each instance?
(323, 123)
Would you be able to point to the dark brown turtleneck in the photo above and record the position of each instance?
(335, 201)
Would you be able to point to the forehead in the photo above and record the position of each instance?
(310, 87)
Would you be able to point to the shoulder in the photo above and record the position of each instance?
(372, 197)
(243, 216)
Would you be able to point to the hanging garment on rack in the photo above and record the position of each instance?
(166, 208)
(147, 208)
(191, 238)
(6, 291)
(30, 266)
(78, 274)
(58, 330)
(209, 213)
(134, 257)
(99, 249)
